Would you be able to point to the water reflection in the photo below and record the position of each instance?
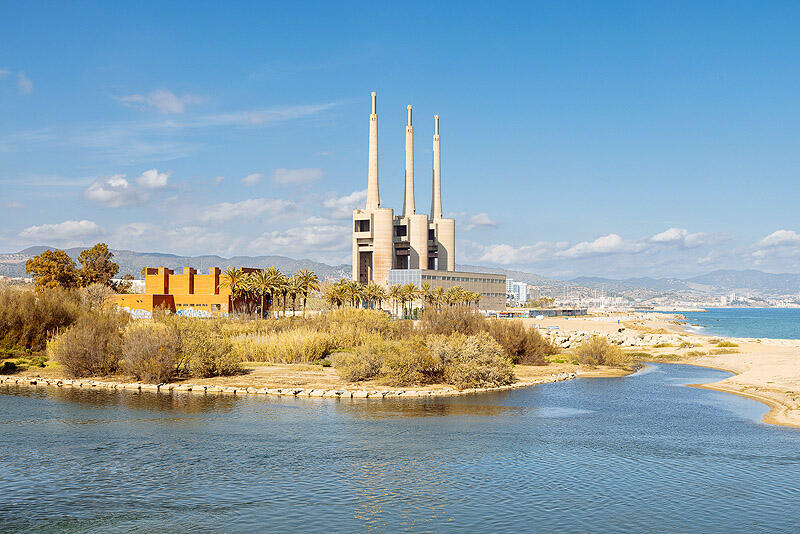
(173, 402)
(633, 454)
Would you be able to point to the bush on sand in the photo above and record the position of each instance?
(90, 347)
(150, 351)
(598, 351)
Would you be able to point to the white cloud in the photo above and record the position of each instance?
(192, 239)
(256, 117)
(154, 140)
(478, 220)
(252, 179)
(780, 238)
(63, 231)
(296, 176)
(14, 204)
(342, 207)
(161, 100)
(311, 240)
(114, 192)
(219, 179)
(607, 244)
(503, 254)
(4, 73)
(682, 237)
(252, 207)
(24, 84)
(153, 179)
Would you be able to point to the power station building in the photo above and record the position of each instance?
(386, 246)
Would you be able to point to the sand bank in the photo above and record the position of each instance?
(767, 370)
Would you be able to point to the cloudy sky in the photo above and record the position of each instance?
(610, 139)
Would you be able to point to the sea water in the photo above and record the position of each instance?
(775, 323)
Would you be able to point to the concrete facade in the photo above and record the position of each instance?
(383, 241)
(492, 287)
(185, 294)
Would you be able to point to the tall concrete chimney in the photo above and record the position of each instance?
(408, 204)
(436, 200)
(373, 197)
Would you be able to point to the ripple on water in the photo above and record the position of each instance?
(634, 454)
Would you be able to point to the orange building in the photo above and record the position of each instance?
(192, 294)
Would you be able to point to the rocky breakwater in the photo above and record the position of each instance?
(571, 340)
(292, 391)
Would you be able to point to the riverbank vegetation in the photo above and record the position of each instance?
(83, 338)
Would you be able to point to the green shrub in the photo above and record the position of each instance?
(639, 355)
(472, 361)
(685, 345)
(28, 318)
(150, 351)
(8, 368)
(523, 345)
(727, 344)
(409, 362)
(451, 320)
(696, 353)
(714, 340)
(598, 351)
(362, 364)
(205, 351)
(662, 345)
(40, 360)
(90, 347)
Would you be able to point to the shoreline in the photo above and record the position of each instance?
(779, 413)
(371, 393)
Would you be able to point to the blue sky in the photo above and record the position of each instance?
(611, 139)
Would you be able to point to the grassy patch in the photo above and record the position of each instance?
(716, 352)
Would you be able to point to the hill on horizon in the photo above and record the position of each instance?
(132, 262)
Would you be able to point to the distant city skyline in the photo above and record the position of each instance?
(613, 139)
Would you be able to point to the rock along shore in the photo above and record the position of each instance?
(281, 392)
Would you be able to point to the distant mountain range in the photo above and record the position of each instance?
(750, 280)
(131, 262)
(753, 281)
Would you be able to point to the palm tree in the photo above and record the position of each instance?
(295, 289)
(282, 289)
(439, 297)
(273, 287)
(410, 293)
(234, 280)
(395, 293)
(453, 295)
(379, 295)
(262, 286)
(354, 292)
(427, 294)
(309, 283)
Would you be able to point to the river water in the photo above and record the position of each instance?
(640, 453)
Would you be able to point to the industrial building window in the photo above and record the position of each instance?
(362, 225)
(401, 230)
(431, 234)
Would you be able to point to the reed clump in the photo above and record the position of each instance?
(598, 351)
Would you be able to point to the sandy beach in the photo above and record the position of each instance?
(767, 370)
